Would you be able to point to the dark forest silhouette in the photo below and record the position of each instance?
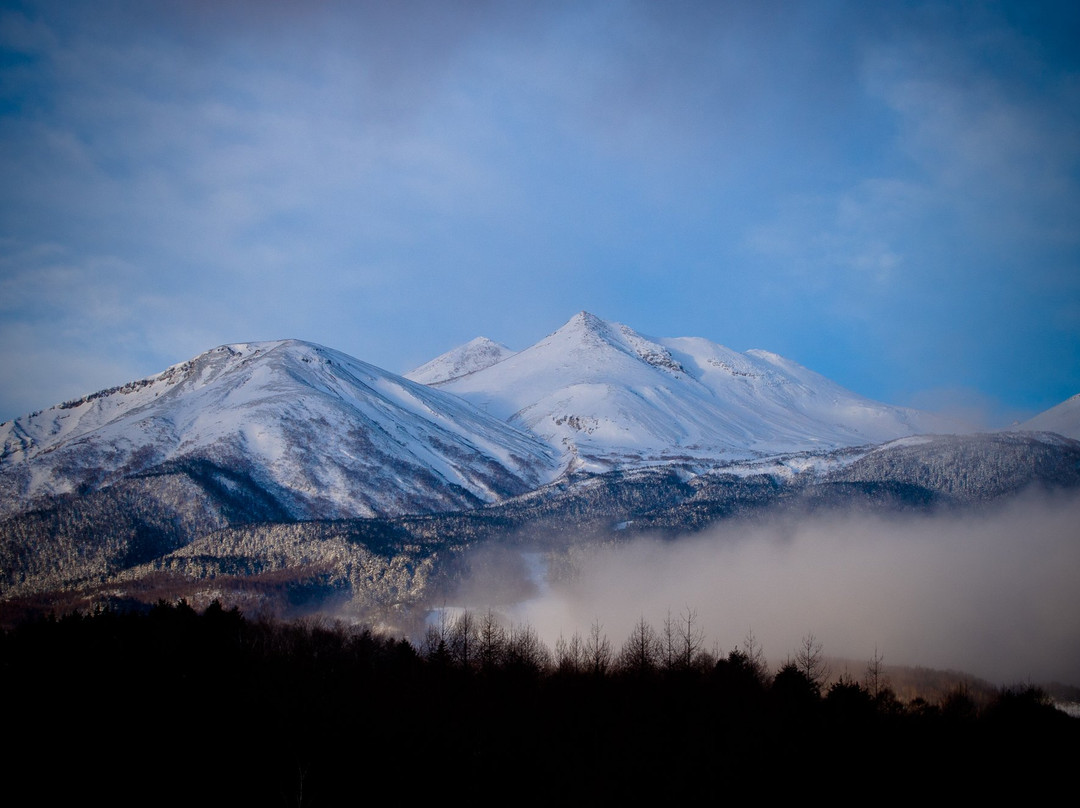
(171, 705)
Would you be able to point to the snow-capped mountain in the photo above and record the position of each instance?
(475, 355)
(221, 473)
(606, 396)
(327, 435)
(1063, 419)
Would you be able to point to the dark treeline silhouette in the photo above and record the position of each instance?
(176, 706)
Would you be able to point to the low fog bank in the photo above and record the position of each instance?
(995, 594)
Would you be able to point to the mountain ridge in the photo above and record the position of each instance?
(592, 396)
(1063, 418)
(607, 396)
(284, 472)
(306, 418)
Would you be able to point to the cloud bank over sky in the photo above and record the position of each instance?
(888, 195)
(996, 595)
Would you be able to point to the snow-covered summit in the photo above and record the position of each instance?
(330, 435)
(605, 395)
(474, 355)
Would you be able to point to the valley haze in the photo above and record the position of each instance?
(994, 594)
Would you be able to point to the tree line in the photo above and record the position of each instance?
(178, 705)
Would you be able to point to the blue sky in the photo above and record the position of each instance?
(887, 193)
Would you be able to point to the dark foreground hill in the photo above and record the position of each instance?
(173, 706)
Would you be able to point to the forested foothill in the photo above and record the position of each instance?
(172, 705)
(194, 526)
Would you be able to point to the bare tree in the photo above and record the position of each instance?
(570, 655)
(755, 655)
(690, 637)
(810, 660)
(875, 680)
(598, 649)
(669, 643)
(437, 639)
(525, 650)
(642, 651)
(463, 639)
(490, 641)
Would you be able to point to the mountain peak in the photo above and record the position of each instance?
(585, 330)
(305, 422)
(588, 319)
(476, 354)
(587, 324)
(602, 393)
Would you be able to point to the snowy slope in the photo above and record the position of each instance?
(1063, 419)
(476, 355)
(606, 396)
(329, 435)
